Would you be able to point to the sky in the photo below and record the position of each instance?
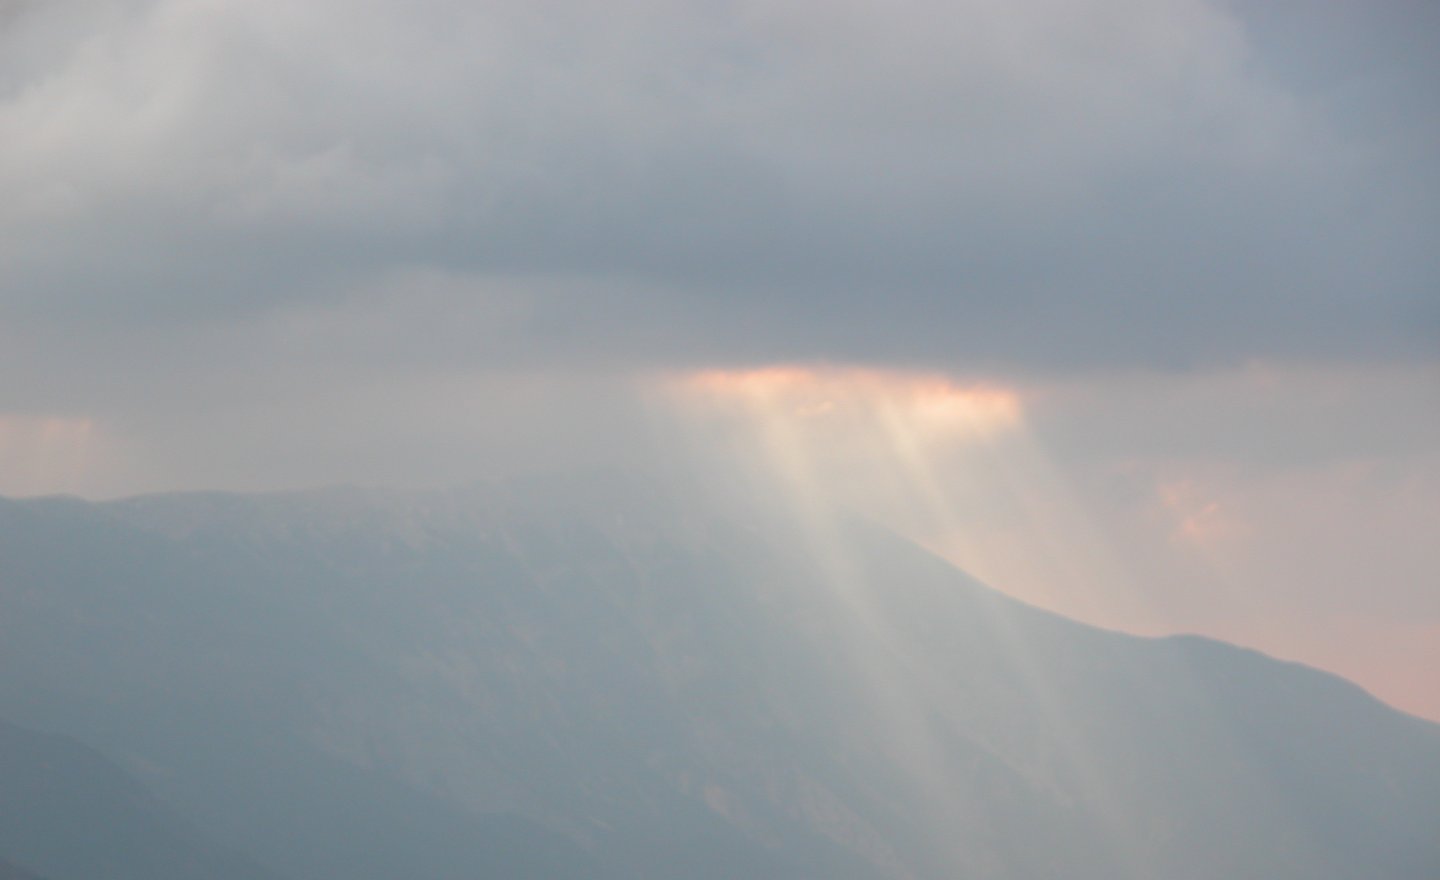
(1131, 307)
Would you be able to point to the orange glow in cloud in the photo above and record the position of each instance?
(932, 404)
(42, 454)
(1200, 521)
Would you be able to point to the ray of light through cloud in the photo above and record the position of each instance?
(951, 464)
(1127, 308)
(888, 431)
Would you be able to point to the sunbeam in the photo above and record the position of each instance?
(776, 404)
(887, 433)
(956, 468)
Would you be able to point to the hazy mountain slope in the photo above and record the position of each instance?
(68, 812)
(680, 690)
(241, 654)
(312, 815)
(12, 872)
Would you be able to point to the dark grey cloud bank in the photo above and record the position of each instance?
(1014, 186)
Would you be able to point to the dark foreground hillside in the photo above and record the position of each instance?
(66, 810)
(11, 872)
(600, 679)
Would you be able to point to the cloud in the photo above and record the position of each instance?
(1021, 186)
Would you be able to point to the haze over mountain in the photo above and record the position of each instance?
(607, 677)
(259, 246)
(995, 370)
(11, 872)
(68, 811)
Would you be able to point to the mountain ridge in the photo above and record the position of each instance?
(664, 683)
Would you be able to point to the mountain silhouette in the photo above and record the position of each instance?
(603, 677)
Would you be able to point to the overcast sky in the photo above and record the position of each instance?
(268, 244)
